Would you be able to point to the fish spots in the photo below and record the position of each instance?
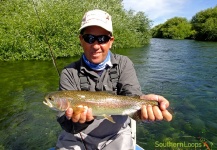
(81, 96)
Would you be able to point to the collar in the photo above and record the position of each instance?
(85, 68)
(98, 67)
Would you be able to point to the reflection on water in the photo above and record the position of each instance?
(183, 71)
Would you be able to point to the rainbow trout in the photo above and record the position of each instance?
(102, 103)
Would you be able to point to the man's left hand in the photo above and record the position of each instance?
(153, 113)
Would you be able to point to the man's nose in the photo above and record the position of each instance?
(96, 45)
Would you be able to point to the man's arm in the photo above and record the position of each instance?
(129, 85)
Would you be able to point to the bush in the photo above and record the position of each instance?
(205, 24)
(174, 28)
(23, 38)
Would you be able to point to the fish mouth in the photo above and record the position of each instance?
(51, 104)
(48, 103)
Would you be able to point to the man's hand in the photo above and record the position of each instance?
(82, 117)
(154, 112)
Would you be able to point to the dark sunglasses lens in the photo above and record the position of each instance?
(103, 39)
(89, 38)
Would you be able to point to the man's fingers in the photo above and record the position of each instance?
(144, 114)
(83, 115)
(167, 116)
(157, 113)
(150, 112)
(89, 116)
(154, 113)
(69, 113)
(75, 118)
(164, 103)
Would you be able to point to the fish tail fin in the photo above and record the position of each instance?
(109, 118)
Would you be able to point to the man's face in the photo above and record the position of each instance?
(96, 52)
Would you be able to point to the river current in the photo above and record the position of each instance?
(183, 71)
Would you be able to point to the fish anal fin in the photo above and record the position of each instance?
(109, 118)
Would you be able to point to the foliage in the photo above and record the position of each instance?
(205, 24)
(23, 38)
(132, 30)
(156, 31)
(174, 28)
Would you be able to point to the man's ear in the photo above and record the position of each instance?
(80, 37)
(111, 42)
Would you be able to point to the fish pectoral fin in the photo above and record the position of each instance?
(77, 110)
(109, 118)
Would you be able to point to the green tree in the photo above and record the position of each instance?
(132, 30)
(174, 28)
(205, 24)
(156, 31)
(22, 37)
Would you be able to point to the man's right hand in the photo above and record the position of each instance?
(83, 117)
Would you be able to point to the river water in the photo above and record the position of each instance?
(183, 71)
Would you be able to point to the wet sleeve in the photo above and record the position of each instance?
(128, 82)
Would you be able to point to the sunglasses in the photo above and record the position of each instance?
(101, 39)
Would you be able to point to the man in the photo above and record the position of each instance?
(100, 70)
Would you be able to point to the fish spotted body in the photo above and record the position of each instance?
(102, 103)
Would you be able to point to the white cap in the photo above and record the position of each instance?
(97, 18)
